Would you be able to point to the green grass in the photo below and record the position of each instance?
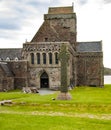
(89, 109)
(28, 122)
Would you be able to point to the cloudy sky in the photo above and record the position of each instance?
(20, 20)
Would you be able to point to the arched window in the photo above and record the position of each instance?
(46, 39)
(32, 58)
(56, 58)
(50, 58)
(44, 58)
(38, 58)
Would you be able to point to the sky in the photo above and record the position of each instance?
(20, 20)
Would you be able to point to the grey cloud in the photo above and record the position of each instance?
(107, 1)
(82, 2)
(10, 24)
(15, 14)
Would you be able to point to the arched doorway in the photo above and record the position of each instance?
(44, 80)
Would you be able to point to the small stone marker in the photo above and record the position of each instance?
(5, 102)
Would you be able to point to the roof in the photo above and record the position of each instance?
(6, 69)
(95, 46)
(10, 53)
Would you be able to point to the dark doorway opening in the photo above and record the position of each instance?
(44, 80)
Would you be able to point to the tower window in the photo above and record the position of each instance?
(50, 58)
(32, 58)
(44, 58)
(38, 58)
(46, 39)
(56, 58)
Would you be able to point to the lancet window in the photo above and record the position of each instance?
(32, 58)
(56, 58)
(38, 58)
(44, 58)
(50, 58)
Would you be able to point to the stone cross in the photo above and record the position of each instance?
(64, 57)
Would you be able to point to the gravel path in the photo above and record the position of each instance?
(45, 91)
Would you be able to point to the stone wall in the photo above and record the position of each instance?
(19, 69)
(90, 69)
(60, 10)
(19, 83)
(6, 82)
(56, 28)
(53, 75)
(35, 70)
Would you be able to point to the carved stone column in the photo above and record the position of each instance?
(64, 57)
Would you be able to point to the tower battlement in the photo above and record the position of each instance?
(60, 10)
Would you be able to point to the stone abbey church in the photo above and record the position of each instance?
(37, 64)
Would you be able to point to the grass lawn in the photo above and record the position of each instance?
(89, 109)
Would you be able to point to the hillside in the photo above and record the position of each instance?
(107, 71)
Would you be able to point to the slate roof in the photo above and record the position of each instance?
(11, 53)
(6, 69)
(95, 46)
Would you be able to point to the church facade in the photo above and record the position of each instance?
(37, 64)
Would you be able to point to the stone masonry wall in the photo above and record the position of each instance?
(53, 74)
(60, 10)
(6, 83)
(89, 69)
(52, 31)
(56, 28)
(19, 69)
(35, 70)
